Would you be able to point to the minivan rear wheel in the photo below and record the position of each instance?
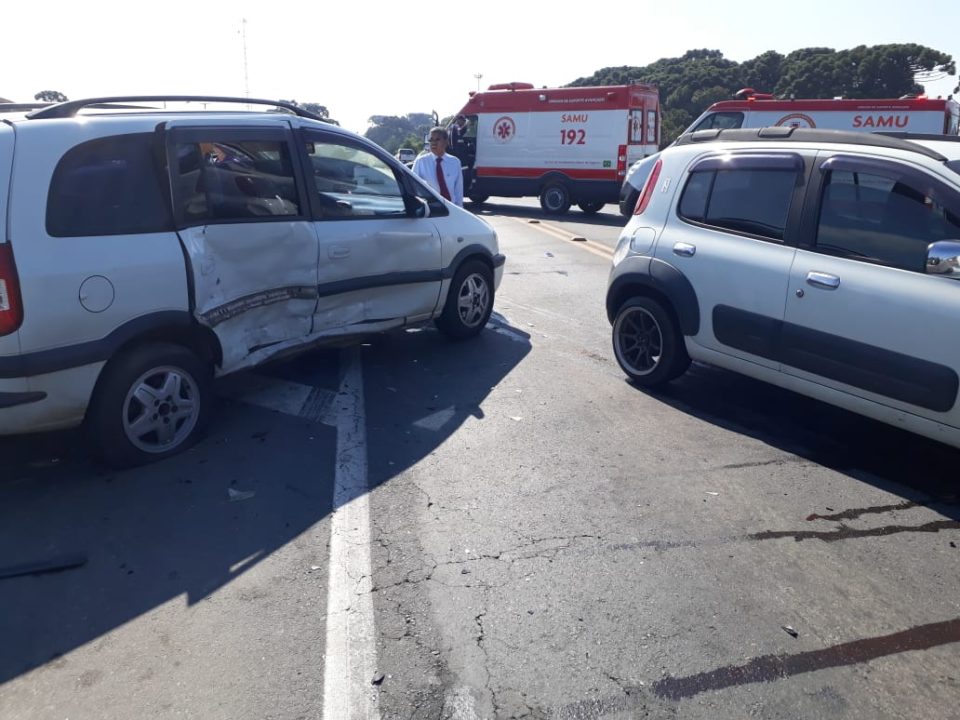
(647, 343)
(153, 402)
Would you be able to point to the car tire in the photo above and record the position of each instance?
(125, 429)
(469, 301)
(647, 343)
(478, 198)
(591, 207)
(555, 199)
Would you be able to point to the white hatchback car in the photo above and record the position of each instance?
(821, 261)
(144, 251)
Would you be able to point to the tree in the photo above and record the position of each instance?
(315, 108)
(392, 132)
(50, 96)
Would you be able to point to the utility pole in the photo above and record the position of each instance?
(478, 76)
(246, 77)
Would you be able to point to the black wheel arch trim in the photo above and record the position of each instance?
(86, 353)
(469, 252)
(661, 277)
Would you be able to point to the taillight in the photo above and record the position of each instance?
(647, 192)
(11, 306)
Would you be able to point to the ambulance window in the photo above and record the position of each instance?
(651, 126)
(721, 121)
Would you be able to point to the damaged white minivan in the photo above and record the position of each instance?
(144, 251)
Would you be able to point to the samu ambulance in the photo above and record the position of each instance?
(907, 114)
(564, 145)
(754, 109)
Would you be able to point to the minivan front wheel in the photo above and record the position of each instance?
(469, 301)
(647, 343)
(152, 403)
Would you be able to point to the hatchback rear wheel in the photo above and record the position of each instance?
(647, 343)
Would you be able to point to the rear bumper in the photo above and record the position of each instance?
(54, 401)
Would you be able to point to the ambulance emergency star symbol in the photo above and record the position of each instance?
(503, 130)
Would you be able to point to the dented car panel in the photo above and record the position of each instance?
(254, 285)
(377, 269)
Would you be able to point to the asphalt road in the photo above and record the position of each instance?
(519, 533)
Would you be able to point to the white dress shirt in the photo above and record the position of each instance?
(425, 167)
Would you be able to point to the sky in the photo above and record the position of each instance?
(388, 58)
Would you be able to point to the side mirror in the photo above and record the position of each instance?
(417, 207)
(943, 258)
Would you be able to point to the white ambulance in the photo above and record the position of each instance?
(755, 109)
(566, 146)
(907, 114)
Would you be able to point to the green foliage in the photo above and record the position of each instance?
(50, 96)
(392, 132)
(315, 108)
(690, 83)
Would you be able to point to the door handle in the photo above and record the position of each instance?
(684, 249)
(823, 280)
(338, 251)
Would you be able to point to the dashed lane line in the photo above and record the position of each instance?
(590, 246)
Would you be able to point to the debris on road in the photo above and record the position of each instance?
(548, 254)
(518, 418)
(533, 222)
(55, 564)
(715, 494)
(238, 495)
(377, 679)
(790, 631)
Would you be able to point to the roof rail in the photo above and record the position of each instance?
(72, 107)
(809, 135)
(904, 135)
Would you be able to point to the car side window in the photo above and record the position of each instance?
(108, 186)
(236, 180)
(351, 182)
(881, 219)
(751, 200)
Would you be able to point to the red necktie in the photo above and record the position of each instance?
(441, 180)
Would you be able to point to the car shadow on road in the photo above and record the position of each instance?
(609, 216)
(922, 471)
(190, 525)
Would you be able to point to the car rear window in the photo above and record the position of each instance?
(108, 186)
(749, 198)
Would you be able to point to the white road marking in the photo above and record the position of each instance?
(437, 420)
(290, 398)
(350, 660)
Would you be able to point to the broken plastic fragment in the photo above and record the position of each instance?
(377, 679)
(238, 495)
(790, 631)
(712, 493)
